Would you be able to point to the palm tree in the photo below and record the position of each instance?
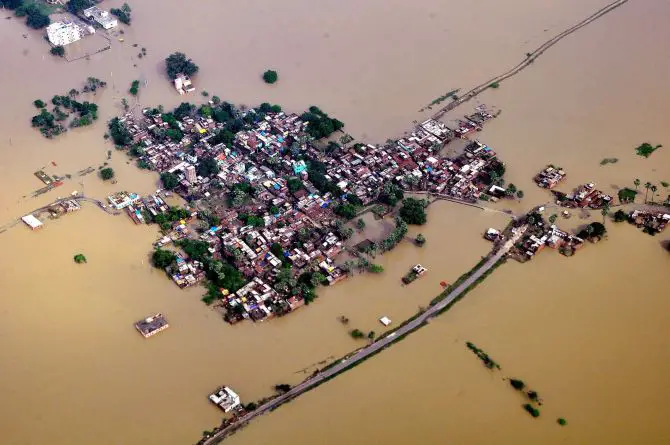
(605, 211)
(636, 183)
(653, 192)
(647, 186)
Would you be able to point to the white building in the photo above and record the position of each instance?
(225, 398)
(63, 33)
(101, 16)
(32, 222)
(182, 84)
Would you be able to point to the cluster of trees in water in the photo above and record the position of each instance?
(37, 15)
(51, 123)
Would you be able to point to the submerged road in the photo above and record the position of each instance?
(530, 58)
(367, 351)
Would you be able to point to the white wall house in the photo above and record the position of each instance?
(101, 16)
(63, 33)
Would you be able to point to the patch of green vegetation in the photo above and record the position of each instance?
(665, 184)
(531, 410)
(517, 384)
(646, 149)
(80, 258)
(123, 13)
(57, 51)
(561, 421)
(413, 211)
(270, 76)
(627, 195)
(483, 356)
(495, 85)
(134, 87)
(107, 173)
(356, 333)
(620, 216)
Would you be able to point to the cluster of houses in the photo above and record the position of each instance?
(549, 177)
(276, 213)
(539, 235)
(585, 196)
(56, 210)
(650, 221)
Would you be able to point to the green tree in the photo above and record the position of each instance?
(519, 194)
(620, 216)
(123, 14)
(413, 211)
(79, 258)
(270, 76)
(345, 210)
(57, 50)
(169, 180)
(294, 184)
(561, 421)
(420, 240)
(39, 103)
(375, 268)
(517, 384)
(207, 167)
(120, 134)
(653, 189)
(360, 224)
(356, 333)
(636, 183)
(390, 194)
(277, 250)
(11, 4)
(605, 211)
(163, 258)
(134, 87)
(647, 186)
(107, 173)
(36, 19)
(177, 63)
(76, 6)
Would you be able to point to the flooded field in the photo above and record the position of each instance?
(587, 331)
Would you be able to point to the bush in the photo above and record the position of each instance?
(79, 258)
(57, 51)
(107, 173)
(356, 333)
(420, 240)
(39, 103)
(561, 421)
(270, 76)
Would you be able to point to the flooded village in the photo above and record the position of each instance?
(269, 203)
(555, 321)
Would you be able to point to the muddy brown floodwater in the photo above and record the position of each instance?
(587, 332)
